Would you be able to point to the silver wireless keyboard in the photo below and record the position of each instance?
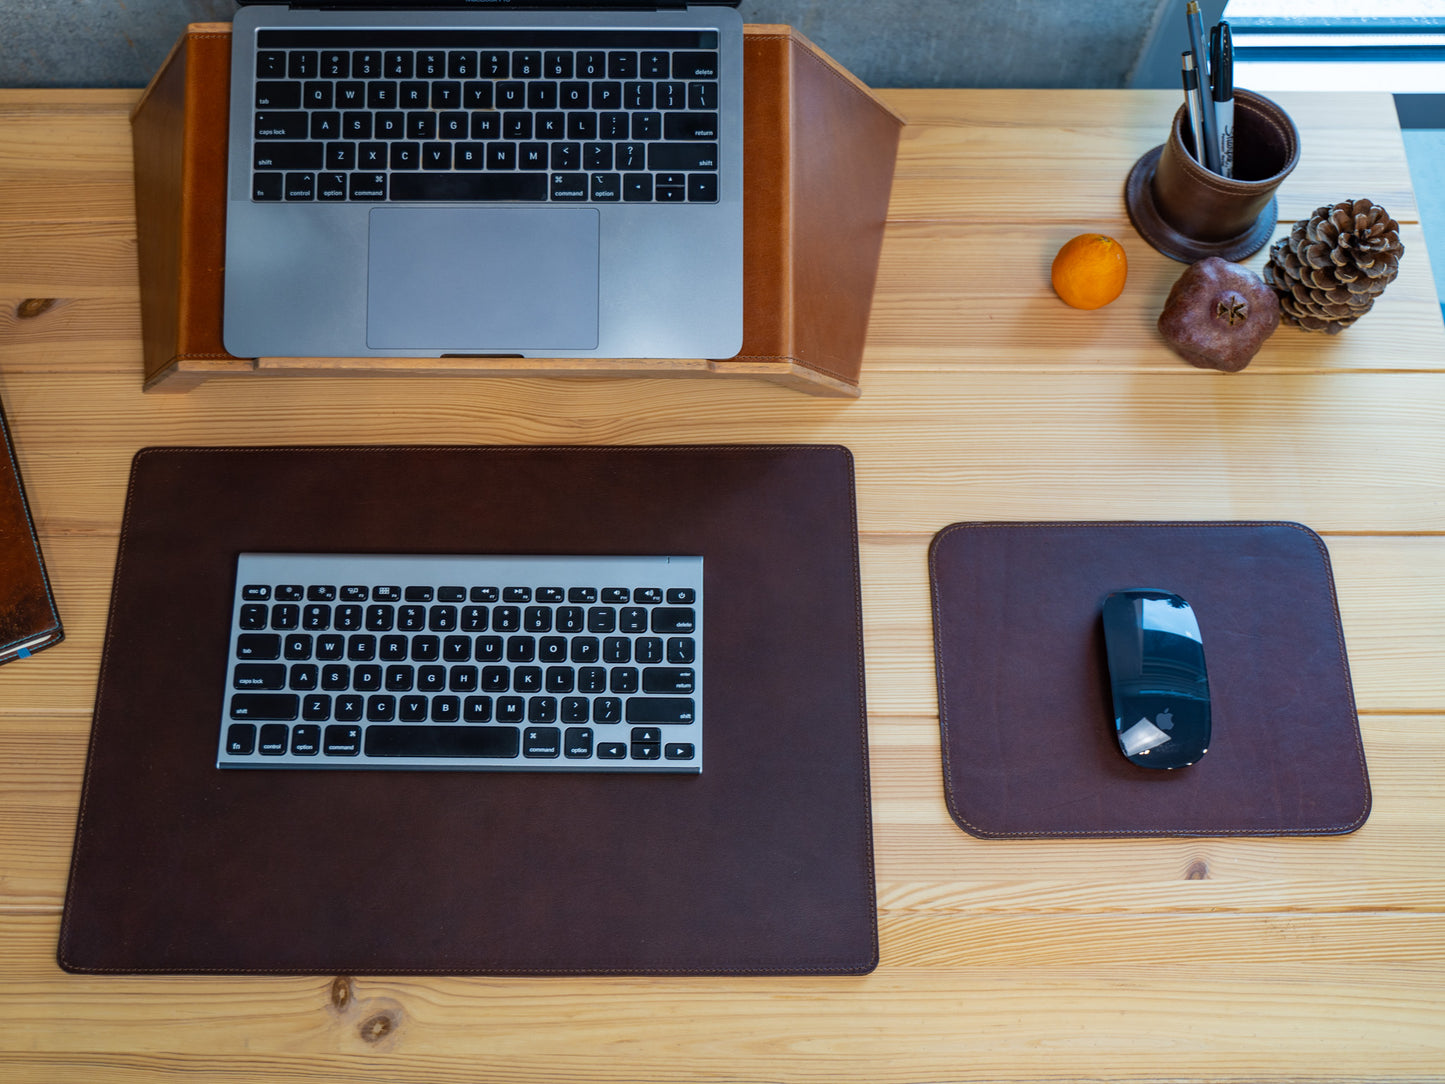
(465, 662)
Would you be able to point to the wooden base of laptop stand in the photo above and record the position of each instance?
(819, 150)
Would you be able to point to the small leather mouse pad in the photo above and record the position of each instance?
(1023, 683)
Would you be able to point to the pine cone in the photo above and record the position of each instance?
(1333, 265)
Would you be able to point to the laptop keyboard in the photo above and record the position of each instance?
(530, 663)
(601, 116)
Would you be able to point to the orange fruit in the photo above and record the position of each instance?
(1089, 271)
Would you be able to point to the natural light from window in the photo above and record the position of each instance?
(1384, 45)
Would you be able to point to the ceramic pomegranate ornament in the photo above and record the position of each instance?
(1218, 315)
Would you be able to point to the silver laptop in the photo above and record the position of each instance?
(485, 179)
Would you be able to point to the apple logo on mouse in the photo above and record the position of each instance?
(1164, 720)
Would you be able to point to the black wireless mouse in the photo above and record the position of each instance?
(1156, 670)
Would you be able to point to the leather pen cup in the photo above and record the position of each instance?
(1188, 212)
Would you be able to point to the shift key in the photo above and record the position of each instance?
(661, 709)
(279, 707)
(681, 157)
(285, 155)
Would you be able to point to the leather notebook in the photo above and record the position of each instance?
(28, 618)
(1027, 723)
(760, 864)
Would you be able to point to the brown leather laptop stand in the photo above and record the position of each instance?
(1027, 723)
(761, 864)
(820, 150)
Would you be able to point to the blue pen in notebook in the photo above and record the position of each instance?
(1221, 73)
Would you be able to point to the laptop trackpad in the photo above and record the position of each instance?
(482, 279)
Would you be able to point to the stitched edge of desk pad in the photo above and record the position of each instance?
(1023, 689)
(756, 866)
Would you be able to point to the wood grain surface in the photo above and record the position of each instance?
(983, 398)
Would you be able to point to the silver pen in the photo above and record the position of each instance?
(1210, 158)
(1194, 105)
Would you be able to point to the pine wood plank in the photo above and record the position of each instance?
(943, 302)
(1219, 959)
(976, 154)
(1304, 1007)
(65, 155)
(1351, 453)
(938, 305)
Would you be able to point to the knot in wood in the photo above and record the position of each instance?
(341, 992)
(1198, 870)
(32, 307)
(377, 1027)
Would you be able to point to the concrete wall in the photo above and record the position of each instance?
(978, 43)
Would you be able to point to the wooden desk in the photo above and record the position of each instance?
(983, 397)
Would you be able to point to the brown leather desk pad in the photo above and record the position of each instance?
(760, 864)
(1026, 718)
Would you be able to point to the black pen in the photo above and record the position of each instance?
(1221, 72)
(1194, 104)
(1209, 156)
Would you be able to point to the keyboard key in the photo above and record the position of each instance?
(265, 706)
(258, 645)
(271, 94)
(300, 186)
(690, 126)
(702, 95)
(695, 65)
(287, 155)
(366, 64)
(469, 186)
(606, 187)
(442, 741)
(577, 742)
(331, 187)
(259, 676)
(666, 619)
(302, 64)
(637, 188)
(542, 741)
(341, 740)
(701, 188)
(660, 709)
(241, 739)
(274, 741)
(282, 125)
(668, 679)
(367, 186)
(305, 740)
(681, 157)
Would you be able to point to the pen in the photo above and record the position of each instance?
(1209, 159)
(1194, 104)
(1221, 69)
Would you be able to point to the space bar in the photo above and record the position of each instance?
(442, 741)
(469, 187)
